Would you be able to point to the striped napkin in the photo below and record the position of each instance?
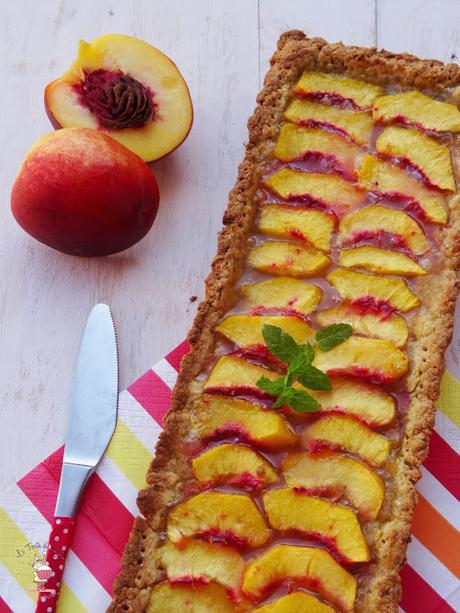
(430, 578)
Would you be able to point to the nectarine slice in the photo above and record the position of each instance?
(324, 190)
(380, 261)
(357, 125)
(297, 222)
(416, 109)
(374, 360)
(217, 416)
(330, 88)
(235, 465)
(229, 519)
(192, 598)
(372, 292)
(327, 473)
(348, 434)
(310, 567)
(234, 375)
(300, 602)
(246, 330)
(280, 258)
(283, 294)
(390, 327)
(127, 88)
(298, 142)
(370, 222)
(387, 179)
(431, 158)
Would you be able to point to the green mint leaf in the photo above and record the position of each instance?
(280, 344)
(331, 336)
(313, 378)
(274, 388)
(300, 401)
(282, 398)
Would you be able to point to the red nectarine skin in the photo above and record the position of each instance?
(83, 193)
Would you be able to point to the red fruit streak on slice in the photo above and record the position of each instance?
(238, 391)
(261, 310)
(330, 127)
(310, 583)
(258, 352)
(405, 121)
(361, 372)
(190, 579)
(380, 238)
(332, 99)
(294, 233)
(413, 169)
(412, 205)
(368, 305)
(233, 430)
(224, 537)
(328, 161)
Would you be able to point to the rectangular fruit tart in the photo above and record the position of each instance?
(285, 477)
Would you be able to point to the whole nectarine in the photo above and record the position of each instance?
(83, 193)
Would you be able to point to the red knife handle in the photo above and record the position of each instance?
(50, 575)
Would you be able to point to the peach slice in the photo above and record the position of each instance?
(297, 222)
(298, 142)
(416, 109)
(284, 294)
(332, 524)
(390, 327)
(311, 567)
(374, 220)
(320, 85)
(300, 602)
(431, 158)
(220, 416)
(234, 375)
(381, 261)
(325, 190)
(326, 473)
(229, 519)
(360, 399)
(348, 434)
(200, 562)
(373, 293)
(386, 179)
(279, 258)
(375, 360)
(235, 465)
(357, 125)
(192, 598)
(127, 88)
(246, 330)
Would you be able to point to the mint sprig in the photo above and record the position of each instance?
(299, 359)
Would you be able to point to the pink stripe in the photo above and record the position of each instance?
(4, 608)
(176, 355)
(444, 464)
(153, 394)
(416, 591)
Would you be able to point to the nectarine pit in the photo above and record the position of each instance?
(116, 99)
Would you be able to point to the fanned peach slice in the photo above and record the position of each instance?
(127, 88)
(234, 465)
(220, 416)
(337, 89)
(372, 221)
(348, 434)
(297, 222)
(326, 473)
(234, 375)
(374, 360)
(355, 124)
(381, 261)
(322, 189)
(246, 330)
(283, 293)
(360, 399)
(414, 108)
(300, 602)
(332, 524)
(298, 142)
(387, 179)
(201, 562)
(229, 519)
(192, 598)
(309, 567)
(372, 292)
(390, 327)
(279, 258)
(426, 154)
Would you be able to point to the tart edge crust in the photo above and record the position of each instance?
(169, 473)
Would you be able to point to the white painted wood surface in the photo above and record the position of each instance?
(222, 49)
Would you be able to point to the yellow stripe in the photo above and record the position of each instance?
(68, 602)
(448, 401)
(129, 454)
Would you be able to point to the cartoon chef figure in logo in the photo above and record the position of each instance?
(42, 572)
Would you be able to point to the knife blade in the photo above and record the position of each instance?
(91, 424)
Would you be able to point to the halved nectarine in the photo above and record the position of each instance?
(300, 602)
(283, 293)
(128, 89)
(283, 258)
(381, 261)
